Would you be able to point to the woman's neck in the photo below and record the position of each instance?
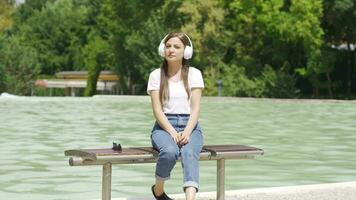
(174, 68)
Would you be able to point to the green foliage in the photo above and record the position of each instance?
(339, 24)
(235, 82)
(20, 66)
(204, 21)
(257, 48)
(248, 21)
(56, 34)
(127, 35)
(275, 33)
(144, 44)
(96, 53)
(279, 83)
(28, 9)
(2, 64)
(2, 78)
(6, 10)
(339, 21)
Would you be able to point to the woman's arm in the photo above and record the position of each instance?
(160, 117)
(194, 115)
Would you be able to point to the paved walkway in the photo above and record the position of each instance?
(331, 191)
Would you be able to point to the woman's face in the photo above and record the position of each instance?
(174, 49)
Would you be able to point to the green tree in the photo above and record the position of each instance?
(97, 53)
(204, 22)
(257, 48)
(6, 9)
(20, 66)
(306, 26)
(144, 42)
(2, 66)
(279, 34)
(58, 31)
(340, 27)
(26, 10)
(125, 34)
(6, 22)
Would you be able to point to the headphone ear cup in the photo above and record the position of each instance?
(161, 49)
(188, 52)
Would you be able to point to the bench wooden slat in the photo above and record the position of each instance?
(220, 150)
(92, 154)
(227, 148)
(85, 155)
(142, 152)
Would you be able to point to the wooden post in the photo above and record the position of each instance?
(106, 187)
(220, 187)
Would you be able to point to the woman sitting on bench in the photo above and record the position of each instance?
(175, 89)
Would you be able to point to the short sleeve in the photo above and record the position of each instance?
(196, 78)
(154, 81)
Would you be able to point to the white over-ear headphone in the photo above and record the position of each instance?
(188, 50)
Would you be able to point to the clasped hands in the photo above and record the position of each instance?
(181, 138)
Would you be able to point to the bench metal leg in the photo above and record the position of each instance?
(220, 187)
(106, 187)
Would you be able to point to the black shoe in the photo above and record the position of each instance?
(162, 196)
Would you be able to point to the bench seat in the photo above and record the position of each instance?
(135, 155)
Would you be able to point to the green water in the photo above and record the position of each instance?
(306, 142)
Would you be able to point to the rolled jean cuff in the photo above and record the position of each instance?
(162, 179)
(191, 184)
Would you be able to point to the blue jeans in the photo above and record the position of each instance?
(169, 151)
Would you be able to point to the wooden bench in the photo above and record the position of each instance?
(107, 157)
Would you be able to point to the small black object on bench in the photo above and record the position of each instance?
(135, 155)
(116, 147)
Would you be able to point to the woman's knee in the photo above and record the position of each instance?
(189, 153)
(169, 153)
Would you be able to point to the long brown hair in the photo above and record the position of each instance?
(163, 89)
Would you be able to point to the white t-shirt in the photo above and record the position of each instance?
(178, 98)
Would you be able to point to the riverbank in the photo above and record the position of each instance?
(329, 191)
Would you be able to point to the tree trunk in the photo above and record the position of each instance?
(315, 84)
(329, 85)
(93, 75)
(316, 92)
(354, 61)
(348, 70)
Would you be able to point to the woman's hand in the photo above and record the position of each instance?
(176, 137)
(184, 137)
